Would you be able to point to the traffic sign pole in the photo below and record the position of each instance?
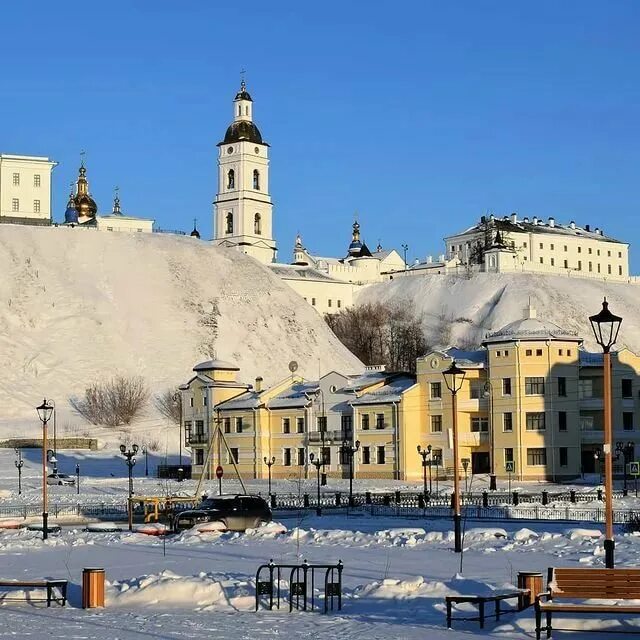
(219, 474)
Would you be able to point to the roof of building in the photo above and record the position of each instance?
(301, 272)
(248, 400)
(242, 130)
(294, 396)
(589, 359)
(362, 381)
(391, 392)
(467, 358)
(216, 364)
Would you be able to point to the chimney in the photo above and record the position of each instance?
(441, 257)
(587, 227)
(514, 218)
(529, 311)
(416, 261)
(525, 219)
(572, 224)
(258, 385)
(429, 259)
(492, 217)
(552, 222)
(597, 231)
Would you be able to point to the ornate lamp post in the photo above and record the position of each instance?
(269, 463)
(465, 466)
(426, 453)
(453, 378)
(605, 327)
(78, 479)
(405, 248)
(317, 463)
(349, 451)
(626, 449)
(597, 455)
(131, 461)
(145, 450)
(44, 413)
(19, 464)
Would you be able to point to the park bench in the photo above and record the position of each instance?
(49, 585)
(577, 585)
(481, 601)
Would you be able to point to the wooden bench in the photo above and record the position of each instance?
(49, 585)
(580, 584)
(481, 601)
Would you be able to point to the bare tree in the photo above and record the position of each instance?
(113, 402)
(169, 404)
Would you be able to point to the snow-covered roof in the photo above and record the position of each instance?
(391, 392)
(467, 358)
(361, 381)
(294, 396)
(208, 365)
(248, 400)
(300, 272)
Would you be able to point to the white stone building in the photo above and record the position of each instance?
(25, 189)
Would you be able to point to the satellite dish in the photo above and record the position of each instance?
(293, 366)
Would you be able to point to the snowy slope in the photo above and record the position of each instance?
(485, 302)
(79, 305)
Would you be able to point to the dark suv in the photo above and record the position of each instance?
(236, 513)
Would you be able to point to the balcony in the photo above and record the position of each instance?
(329, 436)
(473, 438)
(197, 438)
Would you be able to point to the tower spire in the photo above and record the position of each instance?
(116, 202)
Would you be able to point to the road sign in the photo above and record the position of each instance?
(510, 467)
(219, 472)
(634, 468)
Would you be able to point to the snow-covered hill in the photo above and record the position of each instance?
(78, 306)
(460, 311)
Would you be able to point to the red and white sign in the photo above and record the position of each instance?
(219, 472)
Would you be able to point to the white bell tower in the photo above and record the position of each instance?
(243, 209)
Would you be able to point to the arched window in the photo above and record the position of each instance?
(257, 224)
(256, 180)
(229, 222)
(231, 179)
(239, 110)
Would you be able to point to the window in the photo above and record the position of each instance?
(479, 424)
(36, 206)
(569, 352)
(302, 456)
(541, 260)
(329, 302)
(436, 390)
(579, 265)
(300, 425)
(506, 386)
(229, 222)
(542, 245)
(498, 354)
(524, 244)
(562, 420)
(364, 421)
(627, 420)
(321, 423)
(313, 302)
(537, 457)
(598, 251)
(436, 424)
(579, 249)
(506, 353)
(535, 421)
(326, 455)
(380, 421)
(508, 454)
(589, 250)
(620, 270)
(109, 228)
(585, 388)
(199, 456)
(609, 269)
(16, 179)
(566, 248)
(538, 352)
(256, 180)
(507, 421)
(204, 400)
(339, 303)
(238, 425)
(566, 264)
(200, 426)
(627, 388)
(564, 457)
(380, 455)
(15, 204)
(553, 262)
(590, 266)
(257, 224)
(191, 402)
(232, 455)
(227, 425)
(231, 179)
(534, 386)
(366, 455)
(476, 389)
(560, 352)
(36, 180)
(553, 246)
(619, 254)
(562, 386)
(286, 425)
(528, 352)
(346, 423)
(286, 457)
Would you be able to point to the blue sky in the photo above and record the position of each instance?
(420, 116)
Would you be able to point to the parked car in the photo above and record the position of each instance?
(61, 479)
(236, 513)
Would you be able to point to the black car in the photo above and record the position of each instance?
(236, 513)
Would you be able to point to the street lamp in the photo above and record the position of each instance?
(597, 455)
(145, 450)
(78, 479)
(51, 457)
(465, 466)
(44, 413)
(627, 450)
(426, 453)
(269, 463)
(488, 393)
(349, 451)
(131, 461)
(317, 463)
(19, 464)
(453, 378)
(605, 327)
(405, 248)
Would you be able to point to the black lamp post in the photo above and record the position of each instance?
(605, 327)
(405, 248)
(465, 466)
(349, 451)
(19, 464)
(146, 459)
(453, 378)
(129, 455)
(597, 455)
(78, 479)
(426, 453)
(627, 450)
(44, 413)
(269, 463)
(317, 463)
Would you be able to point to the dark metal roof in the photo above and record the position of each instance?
(242, 130)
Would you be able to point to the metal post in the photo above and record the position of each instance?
(457, 519)
(146, 461)
(319, 509)
(78, 478)
(609, 543)
(429, 475)
(19, 464)
(45, 514)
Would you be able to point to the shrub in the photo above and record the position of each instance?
(169, 404)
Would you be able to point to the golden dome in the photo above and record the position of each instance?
(85, 205)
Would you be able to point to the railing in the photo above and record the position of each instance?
(96, 510)
(197, 438)
(317, 436)
(172, 471)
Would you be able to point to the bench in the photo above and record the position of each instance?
(481, 601)
(49, 585)
(580, 584)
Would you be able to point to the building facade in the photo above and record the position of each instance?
(25, 189)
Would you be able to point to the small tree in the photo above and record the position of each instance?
(114, 403)
(169, 404)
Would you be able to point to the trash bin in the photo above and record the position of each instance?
(92, 588)
(531, 580)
